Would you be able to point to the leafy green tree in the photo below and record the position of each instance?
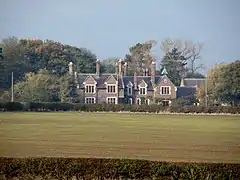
(41, 86)
(139, 57)
(68, 89)
(175, 64)
(13, 61)
(109, 65)
(24, 56)
(228, 85)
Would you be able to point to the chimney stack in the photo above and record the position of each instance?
(153, 71)
(98, 67)
(116, 68)
(125, 69)
(135, 80)
(75, 78)
(70, 68)
(120, 67)
(146, 72)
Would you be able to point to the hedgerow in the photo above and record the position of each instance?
(44, 106)
(90, 168)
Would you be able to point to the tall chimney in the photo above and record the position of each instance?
(125, 69)
(120, 67)
(98, 67)
(116, 68)
(75, 78)
(146, 72)
(70, 68)
(135, 80)
(153, 71)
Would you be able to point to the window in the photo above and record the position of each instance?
(90, 100)
(165, 103)
(147, 101)
(165, 90)
(138, 101)
(129, 91)
(142, 90)
(111, 88)
(112, 100)
(130, 101)
(90, 89)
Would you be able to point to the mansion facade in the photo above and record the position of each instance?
(118, 87)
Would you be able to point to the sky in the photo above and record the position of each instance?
(109, 27)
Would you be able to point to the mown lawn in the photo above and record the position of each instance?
(143, 136)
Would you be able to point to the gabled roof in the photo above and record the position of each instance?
(146, 79)
(100, 79)
(194, 82)
(109, 77)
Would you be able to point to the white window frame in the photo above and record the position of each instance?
(111, 98)
(94, 89)
(138, 100)
(141, 91)
(161, 88)
(94, 100)
(115, 87)
(129, 89)
(130, 101)
(142, 87)
(147, 101)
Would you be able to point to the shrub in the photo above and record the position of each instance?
(90, 168)
(154, 108)
(12, 106)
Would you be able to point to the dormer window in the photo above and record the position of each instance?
(142, 90)
(129, 89)
(90, 89)
(111, 88)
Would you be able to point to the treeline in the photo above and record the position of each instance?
(89, 168)
(25, 55)
(40, 69)
(46, 107)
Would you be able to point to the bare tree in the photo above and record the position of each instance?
(189, 50)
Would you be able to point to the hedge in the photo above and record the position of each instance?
(42, 106)
(91, 168)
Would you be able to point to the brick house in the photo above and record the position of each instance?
(118, 87)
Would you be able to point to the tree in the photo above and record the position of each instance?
(13, 61)
(41, 86)
(109, 65)
(224, 83)
(213, 80)
(194, 75)
(139, 57)
(25, 55)
(228, 89)
(187, 49)
(175, 63)
(67, 89)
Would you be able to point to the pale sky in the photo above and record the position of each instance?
(109, 27)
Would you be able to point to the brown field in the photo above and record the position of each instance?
(142, 136)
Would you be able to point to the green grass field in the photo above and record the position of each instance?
(143, 136)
